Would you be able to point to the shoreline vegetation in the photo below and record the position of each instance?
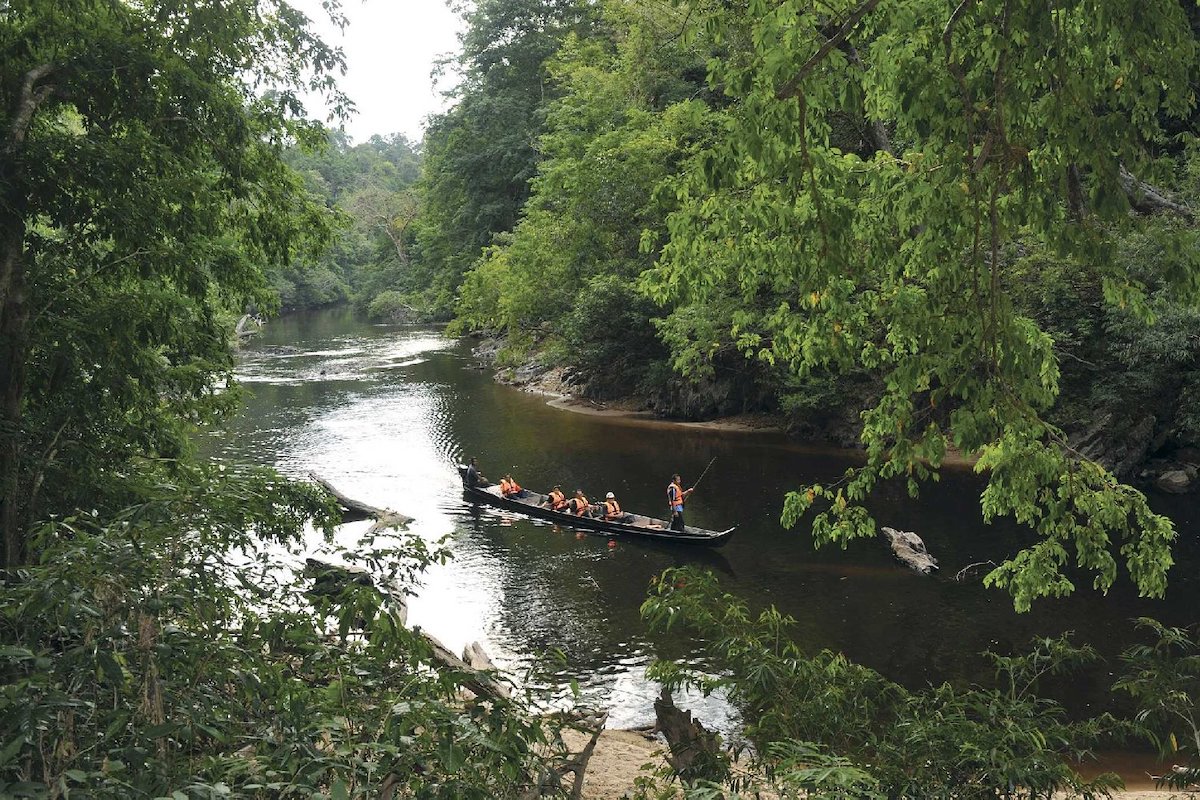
(620, 754)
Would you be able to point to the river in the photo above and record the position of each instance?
(386, 412)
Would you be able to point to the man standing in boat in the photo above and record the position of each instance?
(676, 494)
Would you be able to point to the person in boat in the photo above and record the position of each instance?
(580, 506)
(474, 476)
(612, 510)
(676, 495)
(556, 500)
(510, 488)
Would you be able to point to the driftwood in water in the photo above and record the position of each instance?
(243, 328)
(356, 509)
(477, 658)
(695, 751)
(909, 548)
(477, 681)
(969, 568)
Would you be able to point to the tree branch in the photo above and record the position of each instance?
(790, 88)
(876, 133)
(27, 104)
(1148, 199)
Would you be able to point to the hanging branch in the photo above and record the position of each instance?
(790, 88)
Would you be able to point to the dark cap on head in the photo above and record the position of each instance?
(472, 459)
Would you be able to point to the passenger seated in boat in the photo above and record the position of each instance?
(474, 476)
(556, 500)
(580, 506)
(510, 488)
(612, 510)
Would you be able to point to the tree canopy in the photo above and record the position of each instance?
(852, 215)
(142, 193)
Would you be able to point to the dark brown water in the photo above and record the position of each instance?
(385, 413)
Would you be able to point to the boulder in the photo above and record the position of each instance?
(1176, 481)
(1119, 445)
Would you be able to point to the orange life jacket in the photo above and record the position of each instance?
(513, 487)
(581, 505)
(507, 487)
(677, 500)
(612, 508)
(557, 499)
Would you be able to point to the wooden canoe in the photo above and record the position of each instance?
(533, 504)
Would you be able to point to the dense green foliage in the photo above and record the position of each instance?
(480, 155)
(142, 193)
(926, 229)
(370, 186)
(1163, 678)
(829, 728)
(154, 637)
(171, 651)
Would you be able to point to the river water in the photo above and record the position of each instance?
(386, 412)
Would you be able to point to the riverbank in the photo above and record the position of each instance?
(559, 394)
(1178, 474)
(620, 755)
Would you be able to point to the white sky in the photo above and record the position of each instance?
(390, 48)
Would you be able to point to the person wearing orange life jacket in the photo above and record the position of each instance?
(556, 500)
(676, 494)
(612, 509)
(510, 488)
(580, 506)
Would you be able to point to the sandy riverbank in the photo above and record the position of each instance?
(619, 756)
(740, 423)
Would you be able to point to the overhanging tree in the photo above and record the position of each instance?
(141, 192)
(992, 129)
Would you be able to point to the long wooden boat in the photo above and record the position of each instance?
(537, 505)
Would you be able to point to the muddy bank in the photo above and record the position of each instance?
(1137, 454)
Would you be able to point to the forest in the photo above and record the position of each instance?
(917, 229)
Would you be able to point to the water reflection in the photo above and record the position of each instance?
(386, 412)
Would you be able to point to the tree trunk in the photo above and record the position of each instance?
(14, 324)
(14, 313)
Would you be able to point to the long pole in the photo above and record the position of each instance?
(702, 474)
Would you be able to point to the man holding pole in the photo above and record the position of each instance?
(676, 494)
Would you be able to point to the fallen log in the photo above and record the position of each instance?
(477, 658)
(353, 510)
(1148, 199)
(910, 550)
(243, 328)
(578, 763)
(479, 682)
